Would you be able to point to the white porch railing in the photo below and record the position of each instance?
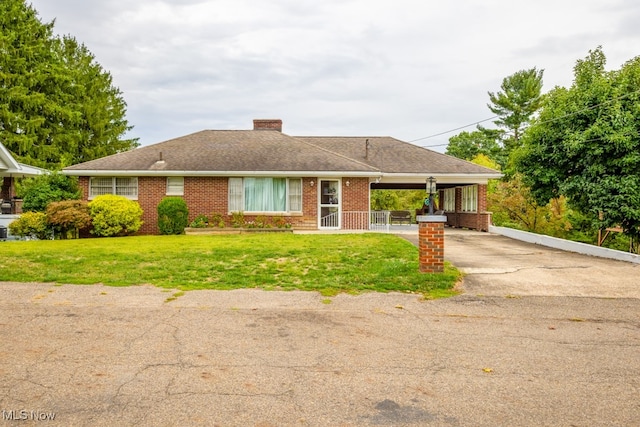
(363, 220)
(330, 221)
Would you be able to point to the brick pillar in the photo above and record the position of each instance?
(431, 243)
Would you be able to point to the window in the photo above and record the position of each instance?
(175, 186)
(121, 186)
(470, 198)
(265, 194)
(450, 200)
(295, 195)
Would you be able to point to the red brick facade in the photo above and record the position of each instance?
(209, 195)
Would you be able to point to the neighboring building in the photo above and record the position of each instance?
(10, 170)
(313, 182)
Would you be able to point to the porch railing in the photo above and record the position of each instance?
(363, 220)
(330, 221)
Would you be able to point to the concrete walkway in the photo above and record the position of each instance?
(500, 266)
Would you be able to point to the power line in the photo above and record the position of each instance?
(453, 130)
(543, 122)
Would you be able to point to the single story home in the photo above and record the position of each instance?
(312, 182)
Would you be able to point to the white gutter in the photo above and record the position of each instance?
(441, 178)
(77, 172)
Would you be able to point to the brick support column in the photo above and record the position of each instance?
(431, 243)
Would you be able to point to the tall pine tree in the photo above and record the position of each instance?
(57, 104)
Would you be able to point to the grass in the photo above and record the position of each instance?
(329, 264)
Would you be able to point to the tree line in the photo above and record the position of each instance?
(571, 156)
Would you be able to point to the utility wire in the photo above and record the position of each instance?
(546, 121)
(453, 130)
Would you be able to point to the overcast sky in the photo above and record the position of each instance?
(403, 68)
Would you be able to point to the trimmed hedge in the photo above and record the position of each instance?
(114, 216)
(173, 215)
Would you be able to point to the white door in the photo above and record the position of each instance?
(329, 204)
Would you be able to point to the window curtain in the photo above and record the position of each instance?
(265, 194)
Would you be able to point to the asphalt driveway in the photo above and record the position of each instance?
(501, 354)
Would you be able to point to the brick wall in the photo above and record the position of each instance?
(209, 195)
(431, 247)
(355, 198)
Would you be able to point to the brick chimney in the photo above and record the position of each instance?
(267, 124)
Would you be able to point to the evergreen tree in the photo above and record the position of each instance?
(520, 98)
(57, 105)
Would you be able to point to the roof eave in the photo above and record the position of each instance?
(78, 172)
(441, 178)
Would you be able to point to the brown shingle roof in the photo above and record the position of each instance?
(220, 151)
(394, 156)
(228, 151)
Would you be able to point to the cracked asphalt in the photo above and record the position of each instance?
(512, 350)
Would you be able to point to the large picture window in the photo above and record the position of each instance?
(121, 186)
(265, 195)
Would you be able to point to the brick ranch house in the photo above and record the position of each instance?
(313, 182)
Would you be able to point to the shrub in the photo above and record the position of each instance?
(32, 225)
(262, 222)
(217, 220)
(237, 220)
(173, 215)
(114, 216)
(39, 191)
(68, 217)
(201, 221)
(280, 222)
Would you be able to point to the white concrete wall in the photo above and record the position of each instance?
(565, 245)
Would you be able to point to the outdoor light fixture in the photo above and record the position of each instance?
(348, 183)
(431, 189)
(311, 183)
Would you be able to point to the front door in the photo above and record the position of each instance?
(329, 203)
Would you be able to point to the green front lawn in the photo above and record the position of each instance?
(329, 264)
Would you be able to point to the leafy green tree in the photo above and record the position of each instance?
(57, 105)
(520, 97)
(586, 144)
(486, 161)
(513, 205)
(468, 145)
(382, 200)
(39, 191)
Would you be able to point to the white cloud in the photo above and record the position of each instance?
(407, 68)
